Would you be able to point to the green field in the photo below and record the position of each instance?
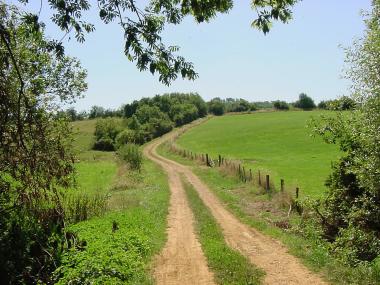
(274, 142)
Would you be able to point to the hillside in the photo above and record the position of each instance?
(278, 142)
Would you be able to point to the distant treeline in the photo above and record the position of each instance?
(147, 119)
(185, 107)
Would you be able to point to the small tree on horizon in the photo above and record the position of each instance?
(305, 102)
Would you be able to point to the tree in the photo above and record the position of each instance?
(280, 105)
(216, 107)
(142, 26)
(96, 112)
(351, 217)
(72, 114)
(304, 102)
(36, 162)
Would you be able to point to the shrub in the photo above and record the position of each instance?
(124, 137)
(280, 105)
(107, 128)
(106, 131)
(131, 154)
(104, 144)
(323, 105)
(304, 102)
(216, 107)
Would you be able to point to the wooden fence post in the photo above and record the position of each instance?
(259, 178)
(220, 160)
(297, 192)
(267, 182)
(244, 177)
(282, 185)
(250, 175)
(207, 160)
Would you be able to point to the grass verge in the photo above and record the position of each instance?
(302, 240)
(228, 265)
(117, 248)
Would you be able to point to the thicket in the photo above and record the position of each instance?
(147, 119)
(218, 106)
(280, 105)
(350, 216)
(106, 131)
(36, 161)
(340, 104)
(132, 155)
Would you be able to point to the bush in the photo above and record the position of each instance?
(105, 144)
(124, 137)
(323, 105)
(106, 131)
(131, 154)
(216, 107)
(107, 128)
(304, 102)
(280, 105)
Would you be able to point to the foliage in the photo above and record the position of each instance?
(131, 154)
(149, 118)
(35, 157)
(142, 26)
(351, 217)
(84, 206)
(280, 105)
(124, 137)
(340, 104)
(100, 112)
(106, 131)
(264, 105)
(304, 102)
(96, 112)
(104, 144)
(120, 245)
(216, 107)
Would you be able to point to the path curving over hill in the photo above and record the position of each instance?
(266, 253)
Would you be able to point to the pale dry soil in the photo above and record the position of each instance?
(182, 260)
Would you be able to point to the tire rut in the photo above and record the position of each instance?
(182, 260)
(265, 252)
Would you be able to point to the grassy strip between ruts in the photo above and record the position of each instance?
(119, 246)
(311, 250)
(228, 265)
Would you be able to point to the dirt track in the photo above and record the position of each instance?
(182, 261)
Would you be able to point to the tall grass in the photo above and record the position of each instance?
(83, 206)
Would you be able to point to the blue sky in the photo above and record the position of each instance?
(232, 59)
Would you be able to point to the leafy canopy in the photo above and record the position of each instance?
(351, 220)
(36, 161)
(142, 26)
